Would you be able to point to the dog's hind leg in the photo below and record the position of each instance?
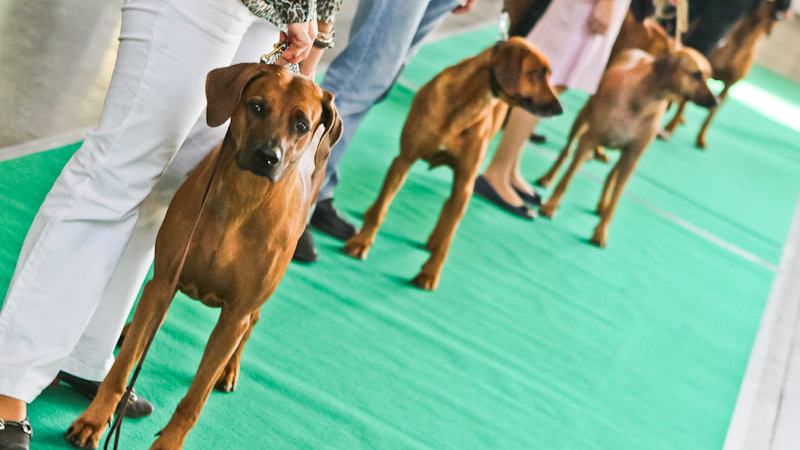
(230, 375)
(624, 169)
(583, 153)
(226, 337)
(579, 127)
(701, 137)
(87, 429)
(359, 245)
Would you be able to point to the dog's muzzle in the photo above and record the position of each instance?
(264, 161)
(539, 109)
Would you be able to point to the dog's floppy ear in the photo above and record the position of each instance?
(664, 67)
(224, 89)
(507, 65)
(333, 128)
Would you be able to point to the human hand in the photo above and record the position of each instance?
(300, 37)
(465, 6)
(601, 16)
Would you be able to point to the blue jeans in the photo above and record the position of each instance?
(384, 36)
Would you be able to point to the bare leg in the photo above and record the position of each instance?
(701, 137)
(359, 245)
(503, 170)
(624, 169)
(583, 153)
(12, 409)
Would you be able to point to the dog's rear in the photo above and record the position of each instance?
(624, 114)
(452, 119)
(271, 165)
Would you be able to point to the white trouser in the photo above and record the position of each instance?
(91, 244)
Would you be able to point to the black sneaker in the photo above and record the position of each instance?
(328, 220)
(137, 406)
(304, 252)
(15, 435)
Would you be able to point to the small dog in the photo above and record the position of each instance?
(731, 60)
(271, 165)
(452, 119)
(624, 114)
(646, 35)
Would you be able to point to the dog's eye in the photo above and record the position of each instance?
(697, 75)
(542, 74)
(255, 107)
(301, 126)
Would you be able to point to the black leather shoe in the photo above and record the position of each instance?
(328, 220)
(15, 435)
(485, 190)
(304, 252)
(137, 406)
(534, 199)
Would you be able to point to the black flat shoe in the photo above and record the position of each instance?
(327, 220)
(485, 190)
(537, 138)
(15, 435)
(534, 199)
(137, 406)
(305, 252)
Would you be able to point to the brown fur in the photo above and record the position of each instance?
(624, 114)
(245, 237)
(731, 60)
(452, 119)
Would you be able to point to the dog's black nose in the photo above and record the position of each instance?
(272, 156)
(557, 109)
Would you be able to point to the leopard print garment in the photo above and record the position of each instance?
(283, 12)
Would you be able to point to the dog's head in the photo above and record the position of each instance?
(685, 73)
(275, 116)
(521, 73)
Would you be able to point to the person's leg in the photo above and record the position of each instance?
(385, 34)
(93, 355)
(84, 224)
(503, 169)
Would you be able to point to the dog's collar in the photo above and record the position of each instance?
(494, 85)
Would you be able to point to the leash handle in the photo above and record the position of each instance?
(277, 51)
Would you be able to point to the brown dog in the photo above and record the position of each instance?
(272, 162)
(646, 35)
(624, 114)
(452, 119)
(731, 60)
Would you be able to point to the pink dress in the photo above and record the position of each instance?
(577, 57)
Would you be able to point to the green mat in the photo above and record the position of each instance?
(534, 340)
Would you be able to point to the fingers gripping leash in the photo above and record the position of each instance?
(277, 51)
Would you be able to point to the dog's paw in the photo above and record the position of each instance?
(598, 239)
(543, 182)
(547, 210)
(701, 142)
(664, 135)
(84, 433)
(426, 281)
(356, 249)
(228, 380)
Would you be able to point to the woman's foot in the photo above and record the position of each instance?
(485, 189)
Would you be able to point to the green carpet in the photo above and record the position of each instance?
(534, 340)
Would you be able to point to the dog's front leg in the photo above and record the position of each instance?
(673, 124)
(583, 153)
(87, 429)
(230, 375)
(624, 170)
(442, 236)
(226, 336)
(701, 137)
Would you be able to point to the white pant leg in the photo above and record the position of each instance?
(93, 355)
(76, 240)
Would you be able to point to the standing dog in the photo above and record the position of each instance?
(452, 119)
(624, 114)
(271, 165)
(731, 60)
